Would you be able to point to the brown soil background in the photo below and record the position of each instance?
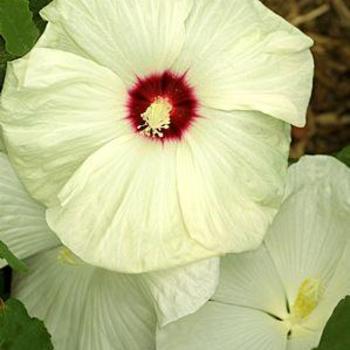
(327, 22)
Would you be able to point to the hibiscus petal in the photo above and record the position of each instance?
(57, 109)
(139, 226)
(223, 327)
(130, 37)
(310, 239)
(181, 291)
(231, 170)
(86, 308)
(310, 233)
(22, 221)
(251, 280)
(241, 56)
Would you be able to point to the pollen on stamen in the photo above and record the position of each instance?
(156, 118)
(309, 295)
(65, 256)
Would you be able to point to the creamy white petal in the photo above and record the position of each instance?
(130, 37)
(309, 334)
(317, 169)
(303, 339)
(86, 308)
(181, 291)
(251, 280)
(22, 221)
(311, 231)
(231, 173)
(57, 109)
(121, 211)
(223, 327)
(241, 56)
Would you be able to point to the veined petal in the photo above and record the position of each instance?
(57, 109)
(241, 56)
(317, 169)
(251, 280)
(309, 334)
(181, 291)
(223, 327)
(130, 37)
(303, 339)
(231, 172)
(175, 293)
(22, 221)
(257, 283)
(86, 308)
(310, 233)
(140, 226)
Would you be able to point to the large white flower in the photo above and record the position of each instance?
(156, 130)
(280, 296)
(86, 307)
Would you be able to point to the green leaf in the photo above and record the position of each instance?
(4, 58)
(336, 335)
(11, 259)
(18, 331)
(36, 6)
(344, 155)
(17, 26)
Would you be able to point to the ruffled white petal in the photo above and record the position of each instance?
(310, 239)
(130, 37)
(241, 56)
(311, 231)
(317, 170)
(22, 221)
(231, 176)
(303, 339)
(251, 280)
(223, 327)
(86, 308)
(121, 211)
(57, 109)
(181, 291)
(218, 189)
(309, 334)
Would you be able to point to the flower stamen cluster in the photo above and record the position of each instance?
(156, 117)
(309, 295)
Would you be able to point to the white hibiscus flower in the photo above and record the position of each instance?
(280, 296)
(83, 306)
(156, 130)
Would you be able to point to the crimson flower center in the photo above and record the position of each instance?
(162, 106)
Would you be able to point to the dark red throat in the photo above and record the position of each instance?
(172, 87)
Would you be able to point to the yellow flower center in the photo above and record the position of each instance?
(65, 256)
(156, 118)
(308, 297)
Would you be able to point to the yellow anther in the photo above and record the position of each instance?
(65, 256)
(308, 297)
(156, 118)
